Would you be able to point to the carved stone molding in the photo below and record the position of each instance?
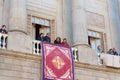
(97, 67)
(10, 53)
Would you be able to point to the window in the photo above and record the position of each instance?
(40, 26)
(95, 39)
(40, 21)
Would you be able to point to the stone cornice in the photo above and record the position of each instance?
(86, 45)
(15, 30)
(97, 67)
(20, 54)
(38, 58)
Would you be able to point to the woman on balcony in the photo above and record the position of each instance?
(57, 40)
(65, 43)
(110, 52)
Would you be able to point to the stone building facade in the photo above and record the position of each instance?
(85, 23)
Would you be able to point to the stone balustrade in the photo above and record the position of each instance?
(3, 41)
(36, 47)
(75, 54)
(111, 60)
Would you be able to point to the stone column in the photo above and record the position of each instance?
(79, 23)
(18, 15)
(18, 39)
(6, 10)
(1, 11)
(80, 36)
(114, 17)
(59, 18)
(67, 20)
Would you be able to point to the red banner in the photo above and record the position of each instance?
(57, 62)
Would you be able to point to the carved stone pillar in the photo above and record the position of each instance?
(114, 17)
(67, 20)
(80, 36)
(18, 39)
(1, 11)
(79, 23)
(59, 23)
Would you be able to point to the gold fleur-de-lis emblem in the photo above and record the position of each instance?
(58, 62)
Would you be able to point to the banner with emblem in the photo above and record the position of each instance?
(57, 62)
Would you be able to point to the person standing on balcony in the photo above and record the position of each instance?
(110, 52)
(2, 39)
(99, 49)
(57, 40)
(65, 43)
(3, 29)
(114, 51)
(47, 38)
(41, 37)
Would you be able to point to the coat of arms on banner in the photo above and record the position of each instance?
(57, 62)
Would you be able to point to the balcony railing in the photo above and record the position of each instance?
(3, 41)
(36, 49)
(111, 60)
(75, 54)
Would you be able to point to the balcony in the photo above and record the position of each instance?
(36, 49)
(107, 59)
(110, 60)
(3, 41)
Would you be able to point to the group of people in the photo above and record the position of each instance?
(63, 43)
(111, 51)
(46, 38)
(57, 41)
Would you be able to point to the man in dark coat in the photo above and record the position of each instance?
(41, 37)
(115, 52)
(47, 38)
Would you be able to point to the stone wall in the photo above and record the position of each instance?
(42, 6)
(97, 15)
(19, 66)
(92, 72)
(26, 66)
